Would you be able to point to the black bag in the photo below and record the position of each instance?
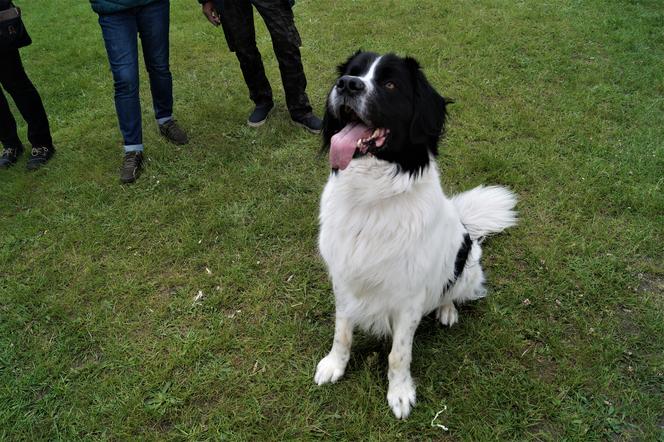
(13, 34)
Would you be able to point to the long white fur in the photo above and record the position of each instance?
(390, 242)
(486, 210)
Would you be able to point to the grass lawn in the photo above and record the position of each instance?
(100, 336)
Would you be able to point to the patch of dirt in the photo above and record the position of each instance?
(651, 287)
(168, 292)
(205, 403)
(164, 425)
(544, 431)
(651, 283)
(89, 359)
(41, 393)
(545, 368)
(628, 326)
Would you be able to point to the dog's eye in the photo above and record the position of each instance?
(390, 85)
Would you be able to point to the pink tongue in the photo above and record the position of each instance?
(344, 143)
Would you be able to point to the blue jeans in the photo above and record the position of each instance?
(120, 32)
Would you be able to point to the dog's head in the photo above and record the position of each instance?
(383, 105)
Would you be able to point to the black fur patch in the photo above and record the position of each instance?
(460, 261)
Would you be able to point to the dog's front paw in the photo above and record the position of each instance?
(401, 397)
(447, 314)
(329, 369)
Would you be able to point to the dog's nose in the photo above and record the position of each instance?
(349, 85)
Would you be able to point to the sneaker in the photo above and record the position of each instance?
(173, 133)
(310, 122)
(39, 156)
(131, 167)
(10, 155)
(259, 114)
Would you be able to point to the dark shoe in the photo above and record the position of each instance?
(39, 156)
(310, 122)
(259, 114)
(131, 167)
(173, 133)
(10, 155)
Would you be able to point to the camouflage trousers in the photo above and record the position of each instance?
(237, 19)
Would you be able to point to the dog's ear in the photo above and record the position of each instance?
(341, 69)
(428, 123)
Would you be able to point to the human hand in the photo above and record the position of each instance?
(210, 13)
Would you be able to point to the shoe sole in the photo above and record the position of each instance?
(177, 143)
(35, 166)
(262, 122)
(122, 181)
(129, 181)
(304, 126)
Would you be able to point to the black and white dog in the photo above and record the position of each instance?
(396, 247)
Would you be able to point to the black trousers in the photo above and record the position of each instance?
(15, 81)
(237, 19)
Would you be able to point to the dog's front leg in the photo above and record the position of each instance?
(401, 389)
(333, 366)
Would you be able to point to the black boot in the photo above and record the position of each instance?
(310, 122)
(259, 114)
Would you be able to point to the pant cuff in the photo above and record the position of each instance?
(133, 148)
(164, 120)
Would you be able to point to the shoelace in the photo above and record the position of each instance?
(39, 151)
(8, 152)
(131, 160)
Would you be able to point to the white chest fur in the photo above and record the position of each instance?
(384, 237)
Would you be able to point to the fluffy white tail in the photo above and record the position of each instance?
(486, 210)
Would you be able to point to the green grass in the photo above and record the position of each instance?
(100, 337)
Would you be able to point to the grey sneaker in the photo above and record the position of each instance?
(173, 132)
(131, 167)
(259, 114)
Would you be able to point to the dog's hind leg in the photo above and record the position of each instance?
(469, 287)
(401, 389)
(333, 366)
